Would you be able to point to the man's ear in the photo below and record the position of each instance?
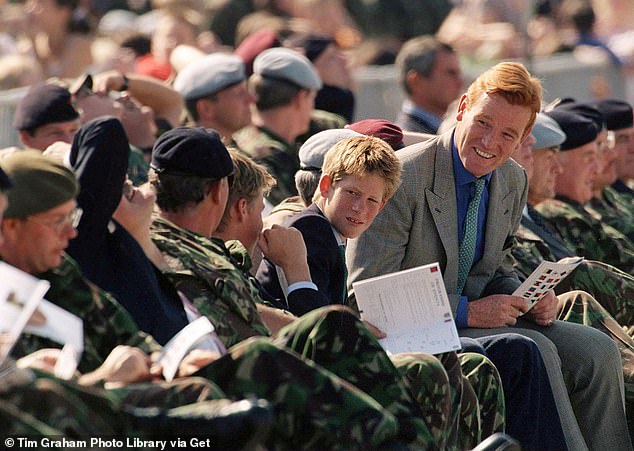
(26, 138)
(325, 183)
(462, 107)
(242, 208)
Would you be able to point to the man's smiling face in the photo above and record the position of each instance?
(488, 132)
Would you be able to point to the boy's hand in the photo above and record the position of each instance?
(284, 247)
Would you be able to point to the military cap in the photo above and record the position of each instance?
(208, 75)
(5, 181)
(380, 128)
(191, 151)
(547, 132)
(312, 152)
(44, 104)
(39, 183)
(618, 114)
(586, 110)
(579, 129)
(287, 65)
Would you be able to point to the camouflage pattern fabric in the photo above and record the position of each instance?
(106, 323)
(340, 416)
(611, 287)
(137, 166)
(279, 157)
(587, 235)
(613, 214)
(321, 120)
(202, 270)
(200, 259)
(578, 307)
(621, 200)
(485, 380)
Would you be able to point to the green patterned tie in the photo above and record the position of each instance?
(342, 252)
(467, 247)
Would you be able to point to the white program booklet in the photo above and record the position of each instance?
(63, 327)
(20, 294)
(412, 308)
(545, 278)
(175, 349)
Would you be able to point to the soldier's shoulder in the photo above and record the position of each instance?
(256, 142)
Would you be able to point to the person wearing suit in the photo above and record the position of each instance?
(431, 78)
(423, 223)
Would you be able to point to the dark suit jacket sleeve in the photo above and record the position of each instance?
(99, 157)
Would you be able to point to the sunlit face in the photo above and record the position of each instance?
(488, 132)
(445, 81)
(546, 168)
(48, 134)
(624, 140)
(253, 222)
(523, 155)
(579, 170)
(608, 156)
(233, 107)
(305, 108)
(352, 203)
(36, 244)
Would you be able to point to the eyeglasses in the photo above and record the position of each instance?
(71, 219)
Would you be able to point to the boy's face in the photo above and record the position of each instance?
(352, 203)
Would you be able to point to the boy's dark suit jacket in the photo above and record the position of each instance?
(324, 260)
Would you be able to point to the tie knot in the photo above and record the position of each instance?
(478, 187)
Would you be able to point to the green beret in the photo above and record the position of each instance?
(39, 183)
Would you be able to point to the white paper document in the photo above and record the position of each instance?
(412, 308)
(175, 349)
(20, 294)
(545, 278)
(62, 327)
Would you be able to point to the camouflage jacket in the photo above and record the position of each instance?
(528, 251)
(279, 157)
(106, 323)
(204, 271)
(614, 211)
(587, 234)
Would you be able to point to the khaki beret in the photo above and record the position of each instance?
(39, 183)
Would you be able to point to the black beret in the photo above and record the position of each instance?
(40, 183)
(191, 151)
(44, 104)
(579, 129)
(618, 114)
(5, 181)
(586, 110)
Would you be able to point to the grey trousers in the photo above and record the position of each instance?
(585, 371)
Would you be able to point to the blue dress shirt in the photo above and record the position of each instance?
(465, 190)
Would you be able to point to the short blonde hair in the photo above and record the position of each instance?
(361, 156)
(511, 81)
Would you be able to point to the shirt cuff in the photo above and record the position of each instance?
(462, 313)
(301, 284)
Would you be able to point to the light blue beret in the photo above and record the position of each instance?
(209, 75)
(547, 132)
(288, 65)
(313, 151)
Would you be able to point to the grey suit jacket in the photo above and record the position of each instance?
(418, 225)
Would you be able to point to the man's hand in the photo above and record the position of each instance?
(42, 359)
(497, 310)
(195, 360)
(545, 311)
(275, 318)
(124, 365)
(378, 333)
(285, 247)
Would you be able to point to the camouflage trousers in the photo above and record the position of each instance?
(613, 288)
(411, 386)
(581, 308)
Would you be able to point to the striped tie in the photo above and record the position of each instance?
(467, 247)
